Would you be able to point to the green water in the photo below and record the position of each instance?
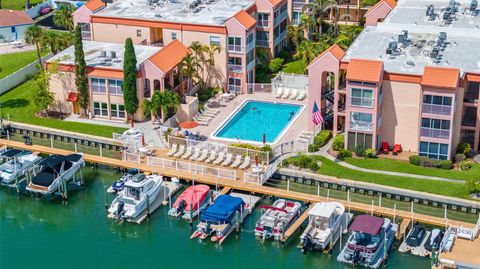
(48, 234)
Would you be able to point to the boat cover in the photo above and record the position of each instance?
(367, 224)
(43, 179)
(193, 195)
(10, 153)
(223, 209)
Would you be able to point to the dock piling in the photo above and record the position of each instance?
(106, 198)
(148, 207)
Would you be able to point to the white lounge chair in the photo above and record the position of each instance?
(286, 93)
(228, 160)
(202, 156)
(207, 107)
(213, 155)
(294, 94)
(246, 163)
(301, 96)
(180, 152)
(279, 92)
(237, 162)
(187, 153)
(220, 158)
(173, 150)
(196, 154)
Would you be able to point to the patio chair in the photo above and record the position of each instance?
(237, 162)
(294, 94)
(220, 158)
(279, 92)
(246, 163)
(385, 147)
(206, 106)
(213, 155)
(228, 160)
(286, 93)
(301, 96)
(202, 156)
(180, 152)
(188, 153)
(196, 154)
(397, 148)
(173, 150)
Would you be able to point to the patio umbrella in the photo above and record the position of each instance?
(264, 139)
(143, 139)
(256, 160)
(188, 124)
(131, 123)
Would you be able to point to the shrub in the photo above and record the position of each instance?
(338, 142)
(167, 133)
(414, 159)
(205, 94)
(426, 162)
(284, 54)
(446, 164)
(344, 154)
(459, 157)
(464, 148)
(275, 65)
(360, 150)
(370, 153)
(465, 165)
(304, 161)
(320, 140)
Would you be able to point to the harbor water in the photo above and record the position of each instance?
(40, 233)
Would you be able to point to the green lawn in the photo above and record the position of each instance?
(18, 4)
(18, 104)
(10, 63)
(331, 168)
(406, 167)
(294, 67)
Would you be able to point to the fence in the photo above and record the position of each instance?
(192, 168)
(20, 76)
(288, 147)
(259, 87)
(34, 11)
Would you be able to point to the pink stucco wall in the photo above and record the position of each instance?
(82, 15)
(380, 12)
(235, 29)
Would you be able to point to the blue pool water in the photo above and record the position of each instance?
(256, 118)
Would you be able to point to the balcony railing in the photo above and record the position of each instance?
(86, 35)
(380, 99)
(235, 48)
(234, 88)
(251, 65)
(297, 5)
(436, 109)
(361, 126)
(435, 133)
(235, 68)
(262, 23)
(263, 43)
(361, 101)
(250, 45)
(280, 37)
(281, 17)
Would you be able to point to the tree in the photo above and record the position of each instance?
(33, 35)
(162, 101)
(307, 51)
(43, 98)
(317, 9)
(56, 41)
(129, 89)
(208, 61)
(295, 35)
(189, 68)
(63, 16)
(81, 80)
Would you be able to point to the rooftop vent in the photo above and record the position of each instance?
(410, 63)
(403, 38)
(473, 5)
(113, 54)
(103, 53)
(392, 47)
(430, 13)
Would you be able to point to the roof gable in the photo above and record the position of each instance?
(335, 50)
(389, 3)
(442, 77)
(245, 19)
(169, 56)
(14, 17)
(94, 5)
(364, 70)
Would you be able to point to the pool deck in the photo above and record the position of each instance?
(228, 107)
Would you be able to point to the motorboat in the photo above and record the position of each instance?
(7, 154)
(276, 219)
(325, 222)
(192, 201)
(14, 169)
(370, 239)
(433, 241)
(139, 193)
(221, 218)
(119, 184)
(53, 171)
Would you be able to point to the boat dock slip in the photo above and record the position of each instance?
(403, 228)
(250, 200)
(225, 190)
(291, 230)
(464, 254)
(240, 184)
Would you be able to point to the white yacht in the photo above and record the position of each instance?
(15, 168)
(325, 223)
(138, 194)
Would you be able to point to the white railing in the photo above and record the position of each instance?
(280, 37)
(235, 68)
(263, 43)
(251, 45)
(251, 178)
(131, 157)
(251, 65)
(259, 87)
(435, 133)
(361, 125)
(234, 88)
(292, 146)
(361, 101)
(86, 35)
(262, 23)
(436, 109)
(281, 17)
(297, 5)
(235, 48)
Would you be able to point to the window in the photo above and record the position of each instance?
(355, 139)
(13, 29)
(234, 85)
(174, 36)
(437, 100)
(434, 150)
(250, 56)
(296, 18)
(262, 19)
(250, 38)
(436, 124)
(361, 121)
(115, 86)
(146, 88)
(235, 60)
(215, 40)
(361, 97)
(117, 111)
(100, 109)
(98, 85)
(235, 44)
(359, 116)
(139, 33)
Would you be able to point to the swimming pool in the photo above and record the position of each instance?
(255, 118)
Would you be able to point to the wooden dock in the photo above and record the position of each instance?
(292, 229)
(403, 228)
(224, 190)
(239, 184)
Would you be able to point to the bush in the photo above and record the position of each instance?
(304, 161)
(465, 165)
(459, 157)
(284, 55)
(275, 65)
(464, 148)
(370, 153)
(360, 150)
(414, 159)
(426, 162)
(446, 164)
(338, 142)
(344, 154)
(205, 94)
(249, 146)
(320, 140)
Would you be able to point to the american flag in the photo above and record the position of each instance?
(317, 117)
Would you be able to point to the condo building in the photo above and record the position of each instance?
(412, 77)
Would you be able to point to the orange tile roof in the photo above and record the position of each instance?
(245, 19)
(14, 17)
(335, 50)
(275, 2)
(364, 70)
(442, 77)
(391, 3)
(106, 73)
(473, 77)
(93, 5)
(169, 56)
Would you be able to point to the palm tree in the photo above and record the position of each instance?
(33, 36)
(189, 68)
(51, 40)
(317, 9)
(295, 35)
(307, 51)
(308, 25)
(63, 16)
(209, 61)
(162, 101)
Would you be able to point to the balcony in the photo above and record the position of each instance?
(250, 45)
(380, 99)
(235, 48)
(435, 133)
(263, 43)
(361, 102)
(295, 21)
(251, 65)
(263, 23)
(281, 17)
(361, 126)
(86, 35)
(234, 88)
(298, 5)
(235, 68)
(436, 109)
(280, 37)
